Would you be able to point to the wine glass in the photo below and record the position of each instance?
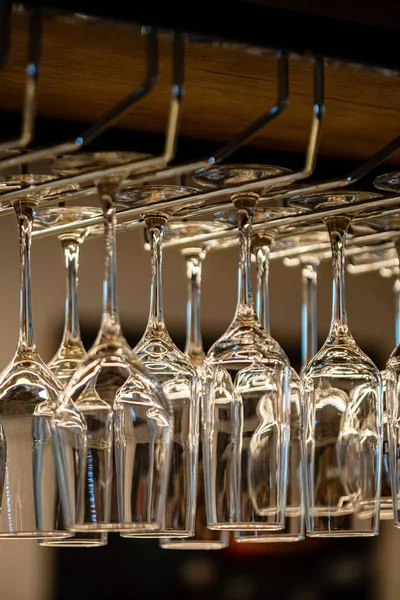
(372, 260)
(204, 538)
(246, 394)
(29, 392)
(114, 476)
(390, 182)
(71, 351)
(294, 512)
(342, 396)
(172, 368)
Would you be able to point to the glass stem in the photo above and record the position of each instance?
(262, 294)
(245, 207)
(155, 228)
(71, 335)
(396, 290)
(194, 342)
(337, 228)
(24, 210)
(110, 325)
(309, 336)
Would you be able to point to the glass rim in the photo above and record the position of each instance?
(200, 175)
(261, 214)
(389, 182)
(74, 164)
(60, 215)
(309, 201)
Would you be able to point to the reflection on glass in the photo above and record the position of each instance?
(114, 477)
(342, 395)
(246, 395)
(204, 538)
(173, 370)
(28, 395)
(294, 513)
(71, 351)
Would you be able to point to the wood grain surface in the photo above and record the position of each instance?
(88, 65)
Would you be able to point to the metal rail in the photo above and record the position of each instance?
(155, 167)
(111, 117)
(32, 75)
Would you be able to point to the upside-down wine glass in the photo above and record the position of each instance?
(391, 182)
(342, 396)
(71, 351)
(29, 393)
(358, 263)
(294, 513)
(113, 475)
(204, 538)
(390, 430)
(172, 368)
(246, 394)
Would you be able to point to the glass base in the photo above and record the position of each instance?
(178, 533)
(356, 524)
(116, 527)
(168, 544)
(38, 535)
(277, 538)
(341, 534)
(74, 543)
(245, 526)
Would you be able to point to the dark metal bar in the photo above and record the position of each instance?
(32, 75)
(104, 122)
(273, 112)
(178, 80)
(343, 182)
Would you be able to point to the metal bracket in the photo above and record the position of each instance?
(178, 80)
(104, 122)
(280, 180)
(32, 74)
(273, 112)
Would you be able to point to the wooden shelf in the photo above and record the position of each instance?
(88, 65)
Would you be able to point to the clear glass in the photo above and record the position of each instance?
(204, 538)
(390, 430)
(294, 529)
(115, 477)
(173, 370)
(390, 493)
(71, 351)
(388, 182)
(342, 396)
(246, 399)
(309, 337)
(28, 396)
(366, 261)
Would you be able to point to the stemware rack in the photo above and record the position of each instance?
(158, 168)
(78, 181)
